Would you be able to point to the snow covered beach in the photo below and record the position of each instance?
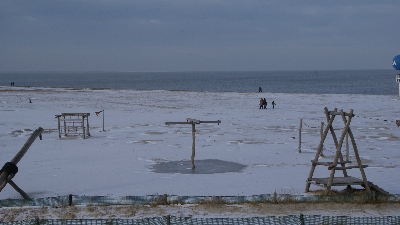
(120, 160)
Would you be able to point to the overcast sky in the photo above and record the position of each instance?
(198, 35)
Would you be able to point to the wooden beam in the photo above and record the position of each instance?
(321, 144)
(172, 123)
(347, 167)
(27, 145)
(335, 113)
(4, 175)
(19, 190)
(192, 121)
(338, 148)
(327, 163)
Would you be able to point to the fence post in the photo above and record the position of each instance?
(168, 219)
(70, 200)
(301, 219)
(301, 123)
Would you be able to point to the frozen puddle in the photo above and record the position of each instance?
(205, 166)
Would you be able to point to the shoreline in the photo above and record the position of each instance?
(33, 89)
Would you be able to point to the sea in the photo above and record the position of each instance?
(367, 82)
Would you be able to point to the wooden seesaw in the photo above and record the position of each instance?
(10, 168)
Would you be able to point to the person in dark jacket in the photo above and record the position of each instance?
(265, 103)
(273, 104)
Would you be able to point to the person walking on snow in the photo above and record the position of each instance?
(265, 103)
(273, 104)
(261, 103)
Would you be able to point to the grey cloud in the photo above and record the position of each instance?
(160, 35)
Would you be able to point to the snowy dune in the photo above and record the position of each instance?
(119, 161)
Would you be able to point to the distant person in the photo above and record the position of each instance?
(273, 104)
(261, 103)
(265, 103)
(12, 83)
(259, 89)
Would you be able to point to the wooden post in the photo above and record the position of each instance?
(347, 147)
(87, 124)
(27, 145)
(338, 148)
(301, 124)
(193, 144)
(321, 133)
(59, 128)
(83, 126)
(65, 126)
(319, 149)
(357, 156)
(19, 190)
(103, 119)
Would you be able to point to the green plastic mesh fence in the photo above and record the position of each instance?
(171, 220)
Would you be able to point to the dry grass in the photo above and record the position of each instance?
(210, 208)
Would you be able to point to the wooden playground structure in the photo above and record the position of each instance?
(338, 162)
(73, 124)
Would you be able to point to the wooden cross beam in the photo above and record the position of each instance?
(6, 175)
(193, 122)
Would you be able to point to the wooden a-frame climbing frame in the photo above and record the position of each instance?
(338, 162)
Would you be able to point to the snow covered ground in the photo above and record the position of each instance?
(119, 161)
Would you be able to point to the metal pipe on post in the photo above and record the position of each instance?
(301, 123)
(193, 144)
(193, 122)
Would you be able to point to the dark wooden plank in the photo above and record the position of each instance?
(75, 114)
(337, 181)
(171, 123)
(327, 163)
(347, 167)
(338, 113)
